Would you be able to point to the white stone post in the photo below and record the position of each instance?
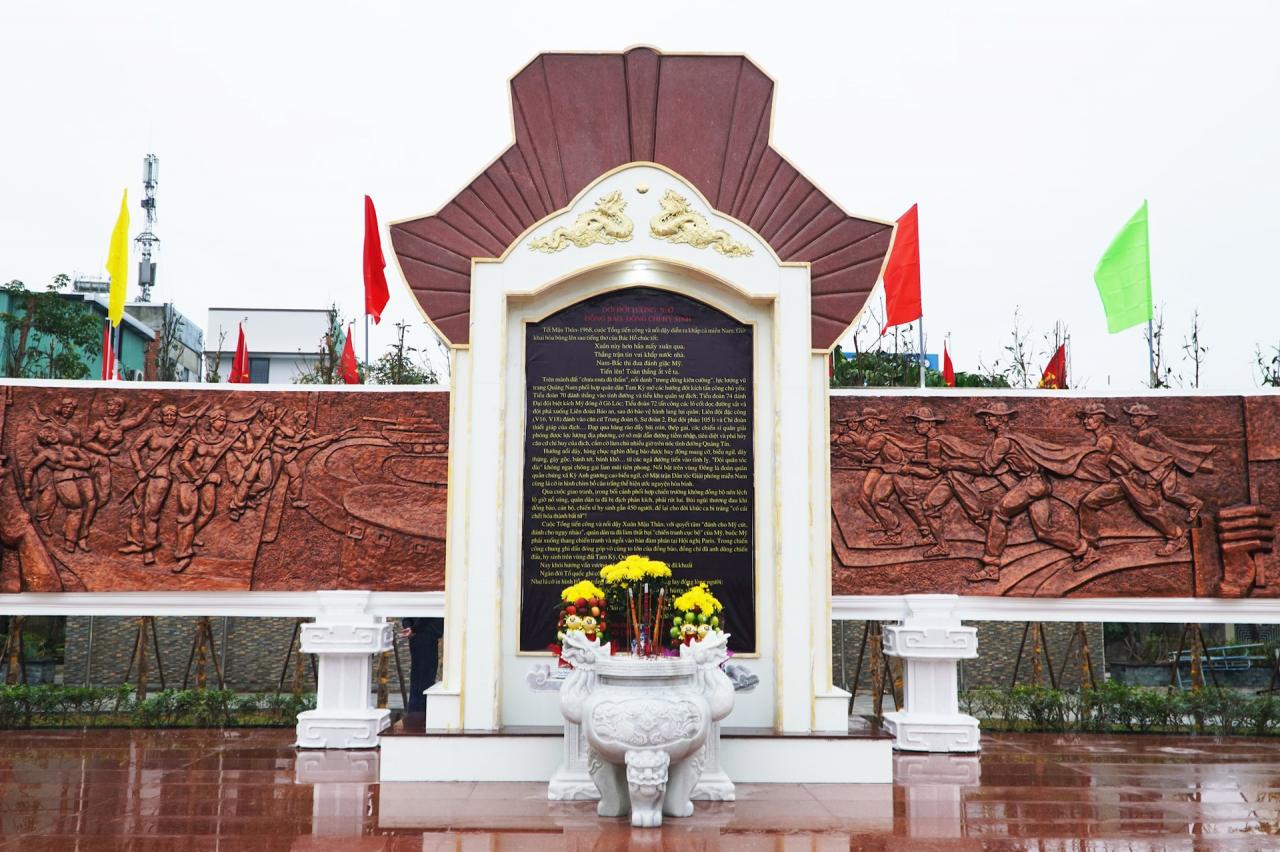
(345, 636)
(932, 641)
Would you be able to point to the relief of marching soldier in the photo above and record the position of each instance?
(1132, 472)
(68, 483)
(150, 455)
(1067, 491)
(935, 478)
(197, 484)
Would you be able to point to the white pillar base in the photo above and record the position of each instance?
(344, 637)
(932, 641)
(831, 711)
(444, 708)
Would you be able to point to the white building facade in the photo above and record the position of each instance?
(284, 343)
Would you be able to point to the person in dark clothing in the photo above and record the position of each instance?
(424, 650)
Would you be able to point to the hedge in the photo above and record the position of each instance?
(50, 706)
(1115, 708)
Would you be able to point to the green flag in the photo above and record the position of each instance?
(1123, 275)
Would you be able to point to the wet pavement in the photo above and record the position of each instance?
(250, 789)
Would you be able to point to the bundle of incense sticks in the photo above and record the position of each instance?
(644, 621)
(657, 621)
(635, 625)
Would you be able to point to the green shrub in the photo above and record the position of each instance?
(53, 706)
(1114, 707)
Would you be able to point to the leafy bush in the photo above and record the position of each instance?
(50, 706)
(1114, 707)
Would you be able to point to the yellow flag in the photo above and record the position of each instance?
(118, 263)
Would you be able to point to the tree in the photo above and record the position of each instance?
(1193, 350)
(1269, 369)
(48, 336)
(169, 347)
(1022, 370)
(397, 367)
(214, 365)
(328, 367)
(1162, 375)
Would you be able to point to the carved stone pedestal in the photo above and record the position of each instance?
(646, 723)
(345, 637)
(932, 641)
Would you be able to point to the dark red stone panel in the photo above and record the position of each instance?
(1049, 497)
(695, 111)
(643, 70)
(111, 488)
(577, 116)
(536, 131)
(750, 125)
(588, 94)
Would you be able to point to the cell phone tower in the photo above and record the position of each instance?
(147, 241)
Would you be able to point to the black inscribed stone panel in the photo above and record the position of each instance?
(638, 439)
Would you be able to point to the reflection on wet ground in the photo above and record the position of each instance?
(250, 789)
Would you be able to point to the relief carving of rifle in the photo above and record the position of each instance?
(161, 459)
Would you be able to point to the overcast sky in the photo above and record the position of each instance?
(1027, 132)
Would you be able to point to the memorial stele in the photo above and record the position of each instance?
(640, 297)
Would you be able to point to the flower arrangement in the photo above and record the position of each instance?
(634, 569)
(629, 609)
(583, 611)
(635, 590)
(700, 614)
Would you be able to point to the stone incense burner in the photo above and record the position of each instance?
(646, 722)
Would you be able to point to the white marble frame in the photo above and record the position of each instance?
(483, 681)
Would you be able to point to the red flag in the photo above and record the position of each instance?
(1055, 372)
(902, 274)
(375, 280)
(350, 372)
(948, 371)
(108, 353)
(240, 364)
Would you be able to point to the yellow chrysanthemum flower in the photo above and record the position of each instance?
(585, 589)
(634, 569)
(698, 597)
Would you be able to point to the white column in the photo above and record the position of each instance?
(932, 641)
(795, 655)
(444, 699)
(830, 703)
(481, 563)
(344, 637)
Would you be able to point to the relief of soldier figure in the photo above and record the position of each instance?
(905, 471)
(170, 471)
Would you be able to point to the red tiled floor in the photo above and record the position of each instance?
(248, 790)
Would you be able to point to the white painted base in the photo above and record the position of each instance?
(757, 760)
(464, 757)
(344, 729)
(935, 732)
(807, 760)
(831, 711)
(444, 708)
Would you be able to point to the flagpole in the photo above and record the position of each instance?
(922, 356)
(366, 342)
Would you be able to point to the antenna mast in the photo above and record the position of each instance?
(147, 241)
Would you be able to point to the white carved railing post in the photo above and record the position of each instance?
(932, 641)
(345, 636)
